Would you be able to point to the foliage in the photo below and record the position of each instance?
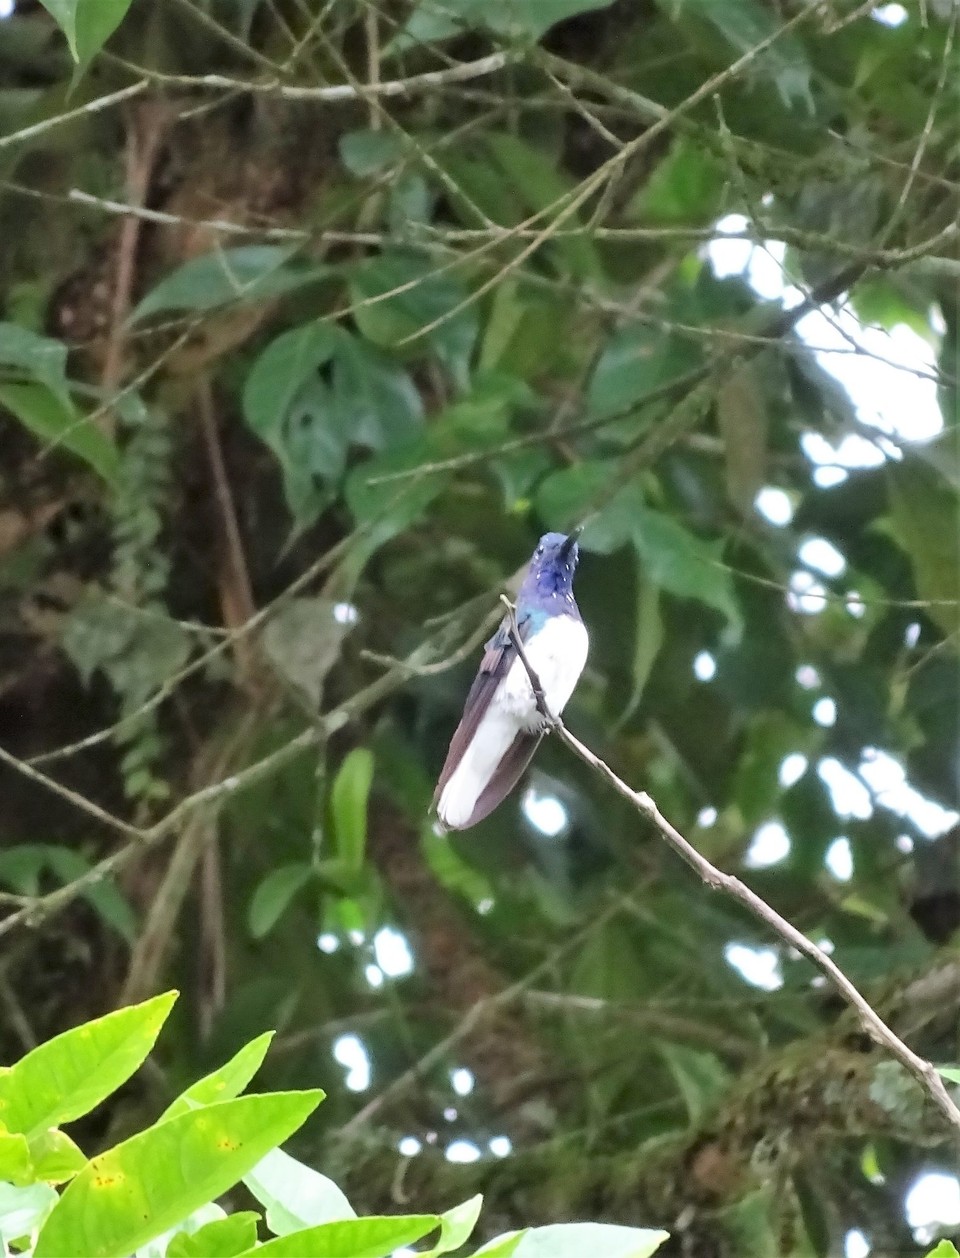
(312, 319)
(155, 1191)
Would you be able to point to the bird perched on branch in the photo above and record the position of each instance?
(502, 723)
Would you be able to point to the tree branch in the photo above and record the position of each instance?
(922, 1070)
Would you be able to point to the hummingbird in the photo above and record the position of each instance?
(502, 726)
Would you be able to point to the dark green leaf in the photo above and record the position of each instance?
(245, 273)
(87, 25)
(273, 895)
(52, 417)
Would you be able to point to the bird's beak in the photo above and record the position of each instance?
(571, 541)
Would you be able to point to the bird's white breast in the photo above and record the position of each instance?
(557, 654)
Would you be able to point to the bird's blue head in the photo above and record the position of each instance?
(552, 565)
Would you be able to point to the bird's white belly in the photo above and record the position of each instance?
(557, 654)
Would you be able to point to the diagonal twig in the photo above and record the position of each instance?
(921, 1069)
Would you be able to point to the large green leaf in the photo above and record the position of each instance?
(351, 789)
(49, 413)
(682, 563)
(146, 1184)
(87, 24)
(71, 1074)
(295, 1196)
(245, 273)
(372, 1237)
(225, 1083)
(376, 402)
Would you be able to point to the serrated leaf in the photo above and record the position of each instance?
(226, 1082)
(145, 1185)
(71, 1074)
(273, 895)
(51, 416)
(351, 790)
(295, 1196)
(372, 1237)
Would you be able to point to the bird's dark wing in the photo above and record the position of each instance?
(497, 660)
(506, 776)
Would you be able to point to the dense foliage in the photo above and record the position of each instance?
(314, 316)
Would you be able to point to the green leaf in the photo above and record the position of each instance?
(15, 1161)
(700, 1077)
(225, 1083)
(433, 20)
(686, 187)
(744, 24)
(421, 295)
(647, 643)
(303, 642)
(295, 1196)
(680, 562)
(925, 511)
(945, 1249)
(21, 867)
(55, 1157)
(636, 360)
(87, 24)
(504, 1246)
(535, 176)
(372, 1237)
(369, 152)
(290, 408)
(599, 1240)
(246, 273)
(351, 790)
(742, 418)
(223, 1238)
(53, 418)
(148, 1183)
(950, 1073)
(71, 1074)
(375, 401)
(38, 356)
(273, 895)
(456, 1226)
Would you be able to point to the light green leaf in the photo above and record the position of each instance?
(246, 273)
(71, 1074)
(146, 1184)
(55, 1157)
(945, 1249)
(456, 1225)
(223, 1238)
(504, 1246)
(225, 1083)
(373, 1237)
(599, 1240)
(15, 1162)
(368, 152)
(273, 895)
(87, 24)
(295, 1196)
(700, 1077)
(351, 789)
(52, 417)
(38, 356)
(950, 1073)
(23, 1209)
